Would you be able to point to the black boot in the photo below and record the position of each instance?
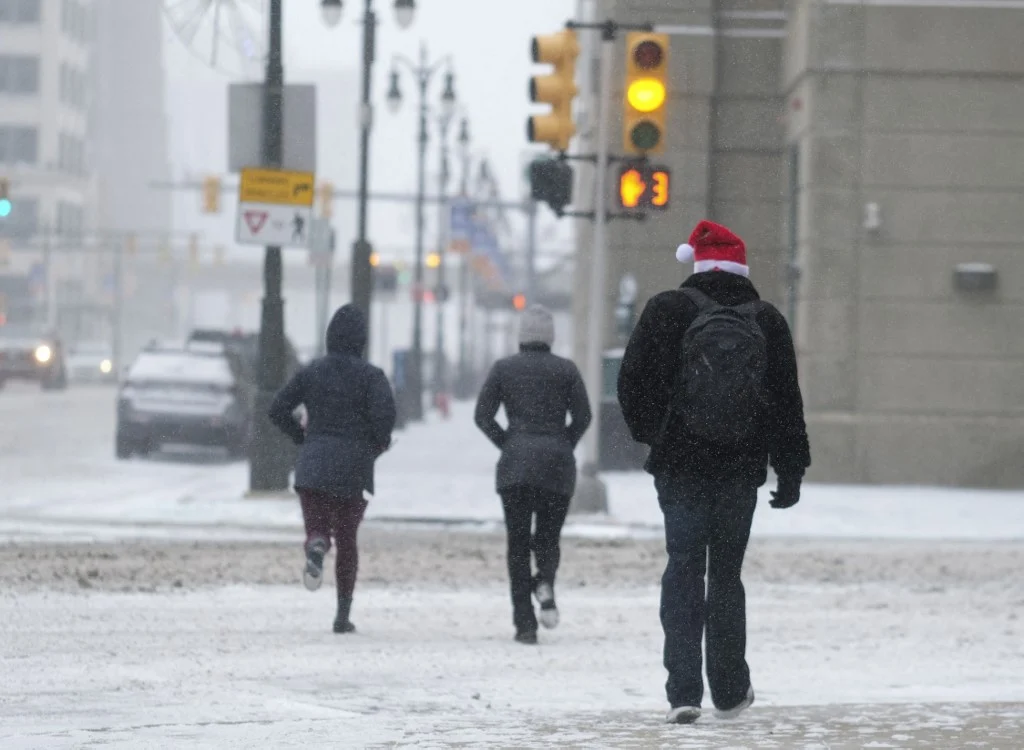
(341, 622)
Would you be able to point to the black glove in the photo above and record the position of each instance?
(788, 493)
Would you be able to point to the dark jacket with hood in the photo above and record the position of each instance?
(350, 408)
(538, 390)
(648, 374)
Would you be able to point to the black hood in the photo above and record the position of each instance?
(346, 333)
(724, 287)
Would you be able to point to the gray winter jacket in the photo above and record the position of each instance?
(538, 390)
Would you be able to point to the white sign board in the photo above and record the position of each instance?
(269, 224)
(245, 125)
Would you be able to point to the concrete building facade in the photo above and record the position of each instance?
(864, 149)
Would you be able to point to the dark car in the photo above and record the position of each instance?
(31, 352)
(246, 346)
(197, 394)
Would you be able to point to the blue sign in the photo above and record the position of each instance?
(461, 225)
(487, 249)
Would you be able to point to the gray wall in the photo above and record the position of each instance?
(724, 146)
(920, 111)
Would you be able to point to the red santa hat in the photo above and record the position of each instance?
(712, 247)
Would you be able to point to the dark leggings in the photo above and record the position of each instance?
(327, 516)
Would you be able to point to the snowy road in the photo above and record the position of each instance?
(852, 645)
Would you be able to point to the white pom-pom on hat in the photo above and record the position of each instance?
(684, 253)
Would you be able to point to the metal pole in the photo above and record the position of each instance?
(48, 286)
(117, 316)
(440, 374)
(415, 395)
(268, 464)
(598, 263)
(531, 252)
(463, 379)
(362, 273)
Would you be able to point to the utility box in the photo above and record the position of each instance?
(618, 450)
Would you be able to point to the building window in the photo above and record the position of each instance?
(18, 144)
(19, 74)
(23, 221)
(19, 11)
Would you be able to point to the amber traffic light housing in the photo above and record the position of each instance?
(645, 97)
(558, 89)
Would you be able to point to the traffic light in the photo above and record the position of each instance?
(646, 93)
(326, 200)
(551, 183)
(644, 186)
(557, 89)
(433, 260)
(5, 199)
(519, 302)
(211, 195)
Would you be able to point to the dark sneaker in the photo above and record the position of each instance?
(313, 573)
(683, 715)
(343, 626)
(739, 708)
(545, 594)
(529, 637)
(341, 622)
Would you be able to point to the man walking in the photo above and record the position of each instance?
(537, 469)
(709, 382)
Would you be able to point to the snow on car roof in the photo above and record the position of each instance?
(182, 367)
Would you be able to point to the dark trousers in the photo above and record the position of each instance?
(521, 504)
(707, 527)
(328, 516)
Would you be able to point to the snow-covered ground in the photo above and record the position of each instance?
(147, 627)
(60, 481)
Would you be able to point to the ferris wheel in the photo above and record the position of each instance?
(227, 35)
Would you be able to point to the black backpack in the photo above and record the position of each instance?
(721, 394)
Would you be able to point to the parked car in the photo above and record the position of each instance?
(32, 352)
(247, 346)
(91, 362)
(196, 394)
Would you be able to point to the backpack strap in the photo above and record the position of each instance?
(702, 301)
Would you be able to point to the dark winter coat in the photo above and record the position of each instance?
(350, 408)
(648, 373)
(537, 389)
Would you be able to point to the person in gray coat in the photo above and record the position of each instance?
(351, 414)
(537, 470)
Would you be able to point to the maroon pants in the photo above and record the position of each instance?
(328, 516)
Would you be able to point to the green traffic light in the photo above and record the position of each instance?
(645, 135)
(5, 208)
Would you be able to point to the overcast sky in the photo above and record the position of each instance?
(489, 44)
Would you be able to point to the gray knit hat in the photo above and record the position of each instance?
(536, 326)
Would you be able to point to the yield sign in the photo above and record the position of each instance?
(255, 220)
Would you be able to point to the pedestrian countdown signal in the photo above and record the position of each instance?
(644, 186)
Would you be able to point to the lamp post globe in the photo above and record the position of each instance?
(448, 97)
(330, 10)
(405, 12)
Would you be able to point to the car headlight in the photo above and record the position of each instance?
(106, 366)
(43, 354)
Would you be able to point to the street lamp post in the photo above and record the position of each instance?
(423, 72)
(441, 363)
(463, 376)
(268, 465)
(362, 248)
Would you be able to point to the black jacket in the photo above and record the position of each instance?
(648, 374)
(537, 389)
(350, 408)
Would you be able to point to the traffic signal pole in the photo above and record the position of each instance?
(268, 464)
(599, 260)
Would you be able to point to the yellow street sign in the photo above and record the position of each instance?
(277, 187)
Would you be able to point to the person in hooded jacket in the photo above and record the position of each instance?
(536, 473)
(350, 416)
(708, 489)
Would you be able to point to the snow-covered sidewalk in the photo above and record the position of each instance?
(240, 667)
(438, 471)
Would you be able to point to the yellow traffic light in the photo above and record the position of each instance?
(211, 195)
(374, 259)
(557, 89)
(326, 200)
(646, 93)
(433, 260)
